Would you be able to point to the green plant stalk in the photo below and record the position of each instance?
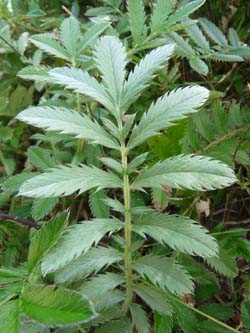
(128, 230)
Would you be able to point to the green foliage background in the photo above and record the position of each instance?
(218, 60)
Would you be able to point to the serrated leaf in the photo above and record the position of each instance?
(65, 180)
(245, 310)
(13, 183)
(162, 324)
(82, 82)
(40, 158)
(185, 10)
(115, 204)
(122, 325)
(143, 72)
(137, 18)
(91, 34)
(199, 66)
(11, 275)
(185, 317)
(165, 273)
(218, 311)
(198, 37)
(186, 171)
(9, 317)
(183, 48)
(77, 239)
(234, 38)
(162, 10)
(47, 42)
(70, 34)
(136, 162)
(159, 198)
(112, 164)
(35, 73)
(99, 285)
(54, 305)
(139, 318)
(108, 306)
(224, 264)
(43, 206)
(91, 262)
(173, 106)
(226, 57)
(97, 204)
(155, 298)
(45, 238)
(10, 291)
(110, 58)
(213, 32)
(28, 326)
(179, 232)
(22, 42)
(67, 121)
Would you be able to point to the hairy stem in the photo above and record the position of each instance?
(128, 229)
